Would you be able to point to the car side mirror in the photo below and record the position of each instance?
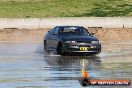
(92, 33)
(48, 31)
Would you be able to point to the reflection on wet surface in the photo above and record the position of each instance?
(24, 65)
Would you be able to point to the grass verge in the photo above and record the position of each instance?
(64, 8)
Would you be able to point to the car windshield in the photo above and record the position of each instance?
(73, 31)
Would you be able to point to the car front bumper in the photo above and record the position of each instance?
(76, 47)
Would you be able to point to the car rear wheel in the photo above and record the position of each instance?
(45, 46)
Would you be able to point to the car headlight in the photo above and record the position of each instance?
(70, 41)
(95, 42)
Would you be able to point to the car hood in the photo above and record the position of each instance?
(79, 38)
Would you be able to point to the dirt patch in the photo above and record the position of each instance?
(22, 34)
(113, 34)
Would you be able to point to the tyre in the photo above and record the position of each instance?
(59, 49)
(45, 46)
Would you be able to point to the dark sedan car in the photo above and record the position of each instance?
(71, 39)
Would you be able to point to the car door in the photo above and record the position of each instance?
(48, 38)
(54, 38)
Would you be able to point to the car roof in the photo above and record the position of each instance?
(70, 26)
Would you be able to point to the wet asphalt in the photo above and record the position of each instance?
(25, 65)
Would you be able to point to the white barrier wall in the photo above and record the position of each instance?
(35, 23)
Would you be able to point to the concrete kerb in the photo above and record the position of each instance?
(37, 23)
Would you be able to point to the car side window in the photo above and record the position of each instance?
(55, 31)
(51, 31)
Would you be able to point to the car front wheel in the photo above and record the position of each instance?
(59, 49)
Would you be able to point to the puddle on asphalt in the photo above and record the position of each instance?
(24, 65)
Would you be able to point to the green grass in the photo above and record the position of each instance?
(64, 8)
